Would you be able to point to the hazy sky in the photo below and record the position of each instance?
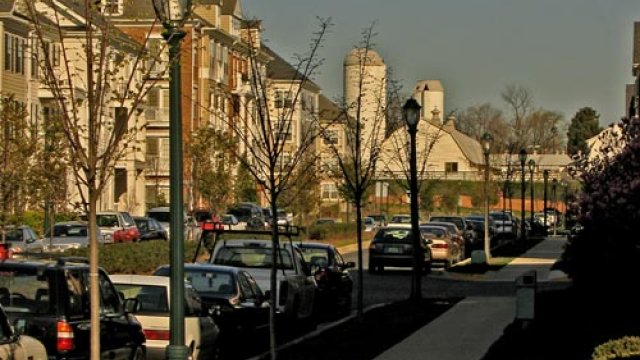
(568, 53)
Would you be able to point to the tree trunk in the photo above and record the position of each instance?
(275, 245)
(94, 287)
(360, 304)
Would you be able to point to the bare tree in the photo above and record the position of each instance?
(476, 120)
(276, 125)
(98, 78)
(544, 129)
(362, 123)
(520, 104)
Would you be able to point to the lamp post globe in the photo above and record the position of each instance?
(411, 115)
(522, 156)
(172, 14)
(487, 140)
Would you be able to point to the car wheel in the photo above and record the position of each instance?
(447, 264)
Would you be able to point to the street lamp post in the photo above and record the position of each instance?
(545, 175)
(565, 201)
(410, 112)
(554, 185)
(172, 14)
(522, 156)
(486, 147)
(532, 168)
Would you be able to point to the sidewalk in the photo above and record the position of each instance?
(467, 330)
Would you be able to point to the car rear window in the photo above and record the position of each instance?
(315, 256)
(26, 290)
(107, 220)
(393, 235)
(435, 232)
(162, 216)
(457, 221)
(251, 257)
(211, 282)
(77, 230)
(152, 298)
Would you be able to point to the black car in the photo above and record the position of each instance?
(50, 301)
(150, 229)
(334, 283)
(393, 246)
(241, 305)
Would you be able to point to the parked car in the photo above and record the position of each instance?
(242, 308)
(71, 235)
(393, 246)
(444, 248)
(478, 227)
(163, 215)
(369, 224)
(23, 240)
(50, 301)
(229, 220)
(15, 346)
(400, 219)
(152, 293)
(380, 219)
(150, 229)
(284, 218)
(268, 216)
(456, 234)
(325, 221)
(334, 283)
(471, 241)
(506, 224)
(295, 287)
(119, 224)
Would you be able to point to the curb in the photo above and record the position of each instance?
(317, 332)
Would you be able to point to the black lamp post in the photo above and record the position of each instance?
(565, 201)
(522, 156)
(487, 139)
(554, 185)
(172, 14)
(532, 168)
(410, 113)
(545, 175)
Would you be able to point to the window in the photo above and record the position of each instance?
(330, 137)
(329, 191)
(451, 167)
(113, 7)
(284, 129)
(284, 160)
(110, 303)
(14, 49)
(283, 99)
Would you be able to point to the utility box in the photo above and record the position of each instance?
(526, 295)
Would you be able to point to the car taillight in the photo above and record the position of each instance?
(376, 246)
(65, 337)
(133, 232)
(157, 334)
(440, 246)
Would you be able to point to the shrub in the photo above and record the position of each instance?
(135, 258)
(626, 347)
(606, 251)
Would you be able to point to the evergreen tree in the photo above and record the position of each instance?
(584, 125)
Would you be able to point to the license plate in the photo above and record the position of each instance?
(393, 250)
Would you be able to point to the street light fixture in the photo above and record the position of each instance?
(522, 156)
(532, 168)
(410, 113)
(487, 139)
(172, 14)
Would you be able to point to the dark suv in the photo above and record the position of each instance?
(50, 301)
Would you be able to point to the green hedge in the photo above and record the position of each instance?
(323, 232)
(135, 258)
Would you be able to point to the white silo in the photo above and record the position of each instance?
(365, 75)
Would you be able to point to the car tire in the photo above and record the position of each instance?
(138, 354)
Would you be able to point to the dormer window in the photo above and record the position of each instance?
(113, 7)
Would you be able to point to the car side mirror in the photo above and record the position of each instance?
(19, 327)
(131, 305)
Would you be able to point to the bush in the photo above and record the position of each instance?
(626, 347)
(323, 232)
(135, 258)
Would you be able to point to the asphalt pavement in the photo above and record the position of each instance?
(468, 329)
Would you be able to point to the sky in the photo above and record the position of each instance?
(568, 53)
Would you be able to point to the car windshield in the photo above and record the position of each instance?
(401, 219)
(26, 290)
(68, 230)
(242, 213)
(162, 216)
(107, 220)
(457, 221)
(500, 217)
(315, 256)
(152, 298)
(369, 221)
(251, 257)
(432, 232)
(13, 235)
(393, 235)
(211, 282)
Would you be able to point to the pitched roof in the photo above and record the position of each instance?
(470, 147)
(541, 160)
(329, 110)
(279, 69)
(6, 6)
